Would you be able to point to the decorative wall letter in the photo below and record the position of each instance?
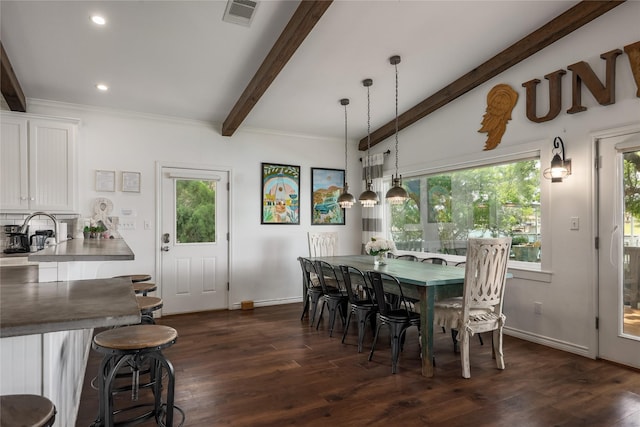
(500, 102)
(633, 52)
(582, 72)
(555, 96)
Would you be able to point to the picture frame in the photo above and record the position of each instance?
(280, 194)
(105, 180)
(326, 187)
(131, 182)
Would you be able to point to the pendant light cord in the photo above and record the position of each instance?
(396, 66)
(345, 143)
(368, 136)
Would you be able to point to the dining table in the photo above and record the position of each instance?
(421, 281)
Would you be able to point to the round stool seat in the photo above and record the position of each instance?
(136, 337)
(147, 304)
(144, 287)
(135, 278)
(26, 410)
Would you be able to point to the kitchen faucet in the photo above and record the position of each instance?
(25, 225)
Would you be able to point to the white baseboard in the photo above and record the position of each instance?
(265, 303)
(549, 342)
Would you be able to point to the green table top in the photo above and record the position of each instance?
(411, 272)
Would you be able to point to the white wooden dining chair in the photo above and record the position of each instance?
(323, 243)
(480, 309)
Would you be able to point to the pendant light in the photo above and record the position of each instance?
(368, 198)
(396, 194)
(346, 200)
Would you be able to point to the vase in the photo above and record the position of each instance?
(379, 259)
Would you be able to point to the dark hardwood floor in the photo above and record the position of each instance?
(266, 368)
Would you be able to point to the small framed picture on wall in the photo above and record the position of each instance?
(105, 180)
(131, 182)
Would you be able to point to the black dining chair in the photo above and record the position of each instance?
(334, 296)
(361, 301)
(407, 257)
(312, 288)
(435, 260)
(393, 312)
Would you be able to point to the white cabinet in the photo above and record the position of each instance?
(37, 160)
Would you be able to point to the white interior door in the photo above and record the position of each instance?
(618, 265)
(194, 234)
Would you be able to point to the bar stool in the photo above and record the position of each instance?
(144, 288)
(147, 306)
(26, 410)
(135, 278)
(131, 346)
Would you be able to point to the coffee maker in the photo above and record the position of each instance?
(16, 242)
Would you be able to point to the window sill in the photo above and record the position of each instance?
(529, 271)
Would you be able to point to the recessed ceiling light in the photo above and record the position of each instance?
(97, 19)
(102, 87)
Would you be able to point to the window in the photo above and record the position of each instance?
(446, 209)
(195, 211)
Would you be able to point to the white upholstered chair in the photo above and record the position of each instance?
(323, 243)
(480, 309)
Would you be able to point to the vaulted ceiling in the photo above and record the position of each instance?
(287, 71)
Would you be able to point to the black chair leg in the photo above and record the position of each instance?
(346, 327)
(305, 310)
(454, 336)
(321, 312)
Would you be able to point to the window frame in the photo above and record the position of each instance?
(527, 151)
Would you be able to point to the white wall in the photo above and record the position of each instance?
(263, 257)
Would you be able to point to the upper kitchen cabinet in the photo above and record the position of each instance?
(37, 156)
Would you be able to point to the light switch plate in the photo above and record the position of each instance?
(575, 223)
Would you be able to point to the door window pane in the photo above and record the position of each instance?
(631, 259)
(446, 209)
(195, 211)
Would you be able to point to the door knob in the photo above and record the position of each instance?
(165, 249)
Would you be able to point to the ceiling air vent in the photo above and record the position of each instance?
(240, 12)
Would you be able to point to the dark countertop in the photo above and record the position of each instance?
(36, 308)
(85, 250)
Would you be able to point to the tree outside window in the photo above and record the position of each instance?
(446, 209)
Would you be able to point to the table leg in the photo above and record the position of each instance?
(426, 330)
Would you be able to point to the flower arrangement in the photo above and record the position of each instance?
(378, 246)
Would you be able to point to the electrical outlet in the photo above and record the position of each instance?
(537, 307)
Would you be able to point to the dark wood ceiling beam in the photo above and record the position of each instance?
(574, 18)
(9, 84)
(300, 25)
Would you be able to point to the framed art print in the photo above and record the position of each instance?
(131, 182)
(326, 187)
(280, 194)
(105, 180)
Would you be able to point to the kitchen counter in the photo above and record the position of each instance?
(85, 250)
(37, 308)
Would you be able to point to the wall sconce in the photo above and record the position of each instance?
(560, 167)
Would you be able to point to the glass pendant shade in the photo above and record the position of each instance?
(396, 194)
(369, 198)
(346, 200)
